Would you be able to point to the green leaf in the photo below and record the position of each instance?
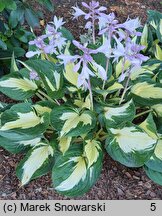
(48, 4)
(155, 161)
(3, 45)
(66, 34)
(158, 53)
(149, 127)
(51, 76)
(147, 93)
(130, 145)
(72, 122)
(72, 175)
(15, 146)
(158, 109)
(14, 67)
(154, 175)
(21, 122)
(17, 87)
(10, 4)
(31, 18)
(64, 143)
(36, 163)
(114, 116)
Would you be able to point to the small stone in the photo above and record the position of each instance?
(120, 192)
(128, 174)
(152, 194)
(135, 177)
(140, 183)
(147, 185)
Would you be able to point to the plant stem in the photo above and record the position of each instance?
(90, 92)
(103, 138)
(107, 67)
(125, 89)
(40, 96)
(93, 29)
(143, 113)
(50, 99)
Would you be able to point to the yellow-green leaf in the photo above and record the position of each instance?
(24, 121)
(91, 150)
(35, 161)
(158, 53)
(78, 174)
(72, 119)
(22, 84)
(64, 143)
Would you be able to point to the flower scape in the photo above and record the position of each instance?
(98, 95)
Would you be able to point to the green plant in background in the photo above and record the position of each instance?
(87, 101)
(14, 37)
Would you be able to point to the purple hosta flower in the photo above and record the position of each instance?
(108, 24)
(55, 36)
(94, 12)
(130, 52)
(39, 43)
(85, 61)
(130, 25)
(34, 75)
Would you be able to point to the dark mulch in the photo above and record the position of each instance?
(116, 181)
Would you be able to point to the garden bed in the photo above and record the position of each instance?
(116, 181)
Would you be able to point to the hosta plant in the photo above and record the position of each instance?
(78, 100)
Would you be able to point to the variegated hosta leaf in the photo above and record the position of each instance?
(114, 116)
(64, 143)
(14, 146)
(154, 175)
(92, 151)
(130, 145)
(69, 73)
(158, 109)
(147, 93)
(149, 127)
(83, 104)
(17, 87)
(144, 37)
(71, 122)
(35, 163)
(51, 75)
(22, 122)
(71, 175)
(158, 53)
(155, 161)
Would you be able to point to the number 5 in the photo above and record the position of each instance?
(153, 207)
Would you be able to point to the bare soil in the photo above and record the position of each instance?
(116, 181)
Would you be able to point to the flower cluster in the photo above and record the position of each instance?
(108, 29)
(51, 42)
